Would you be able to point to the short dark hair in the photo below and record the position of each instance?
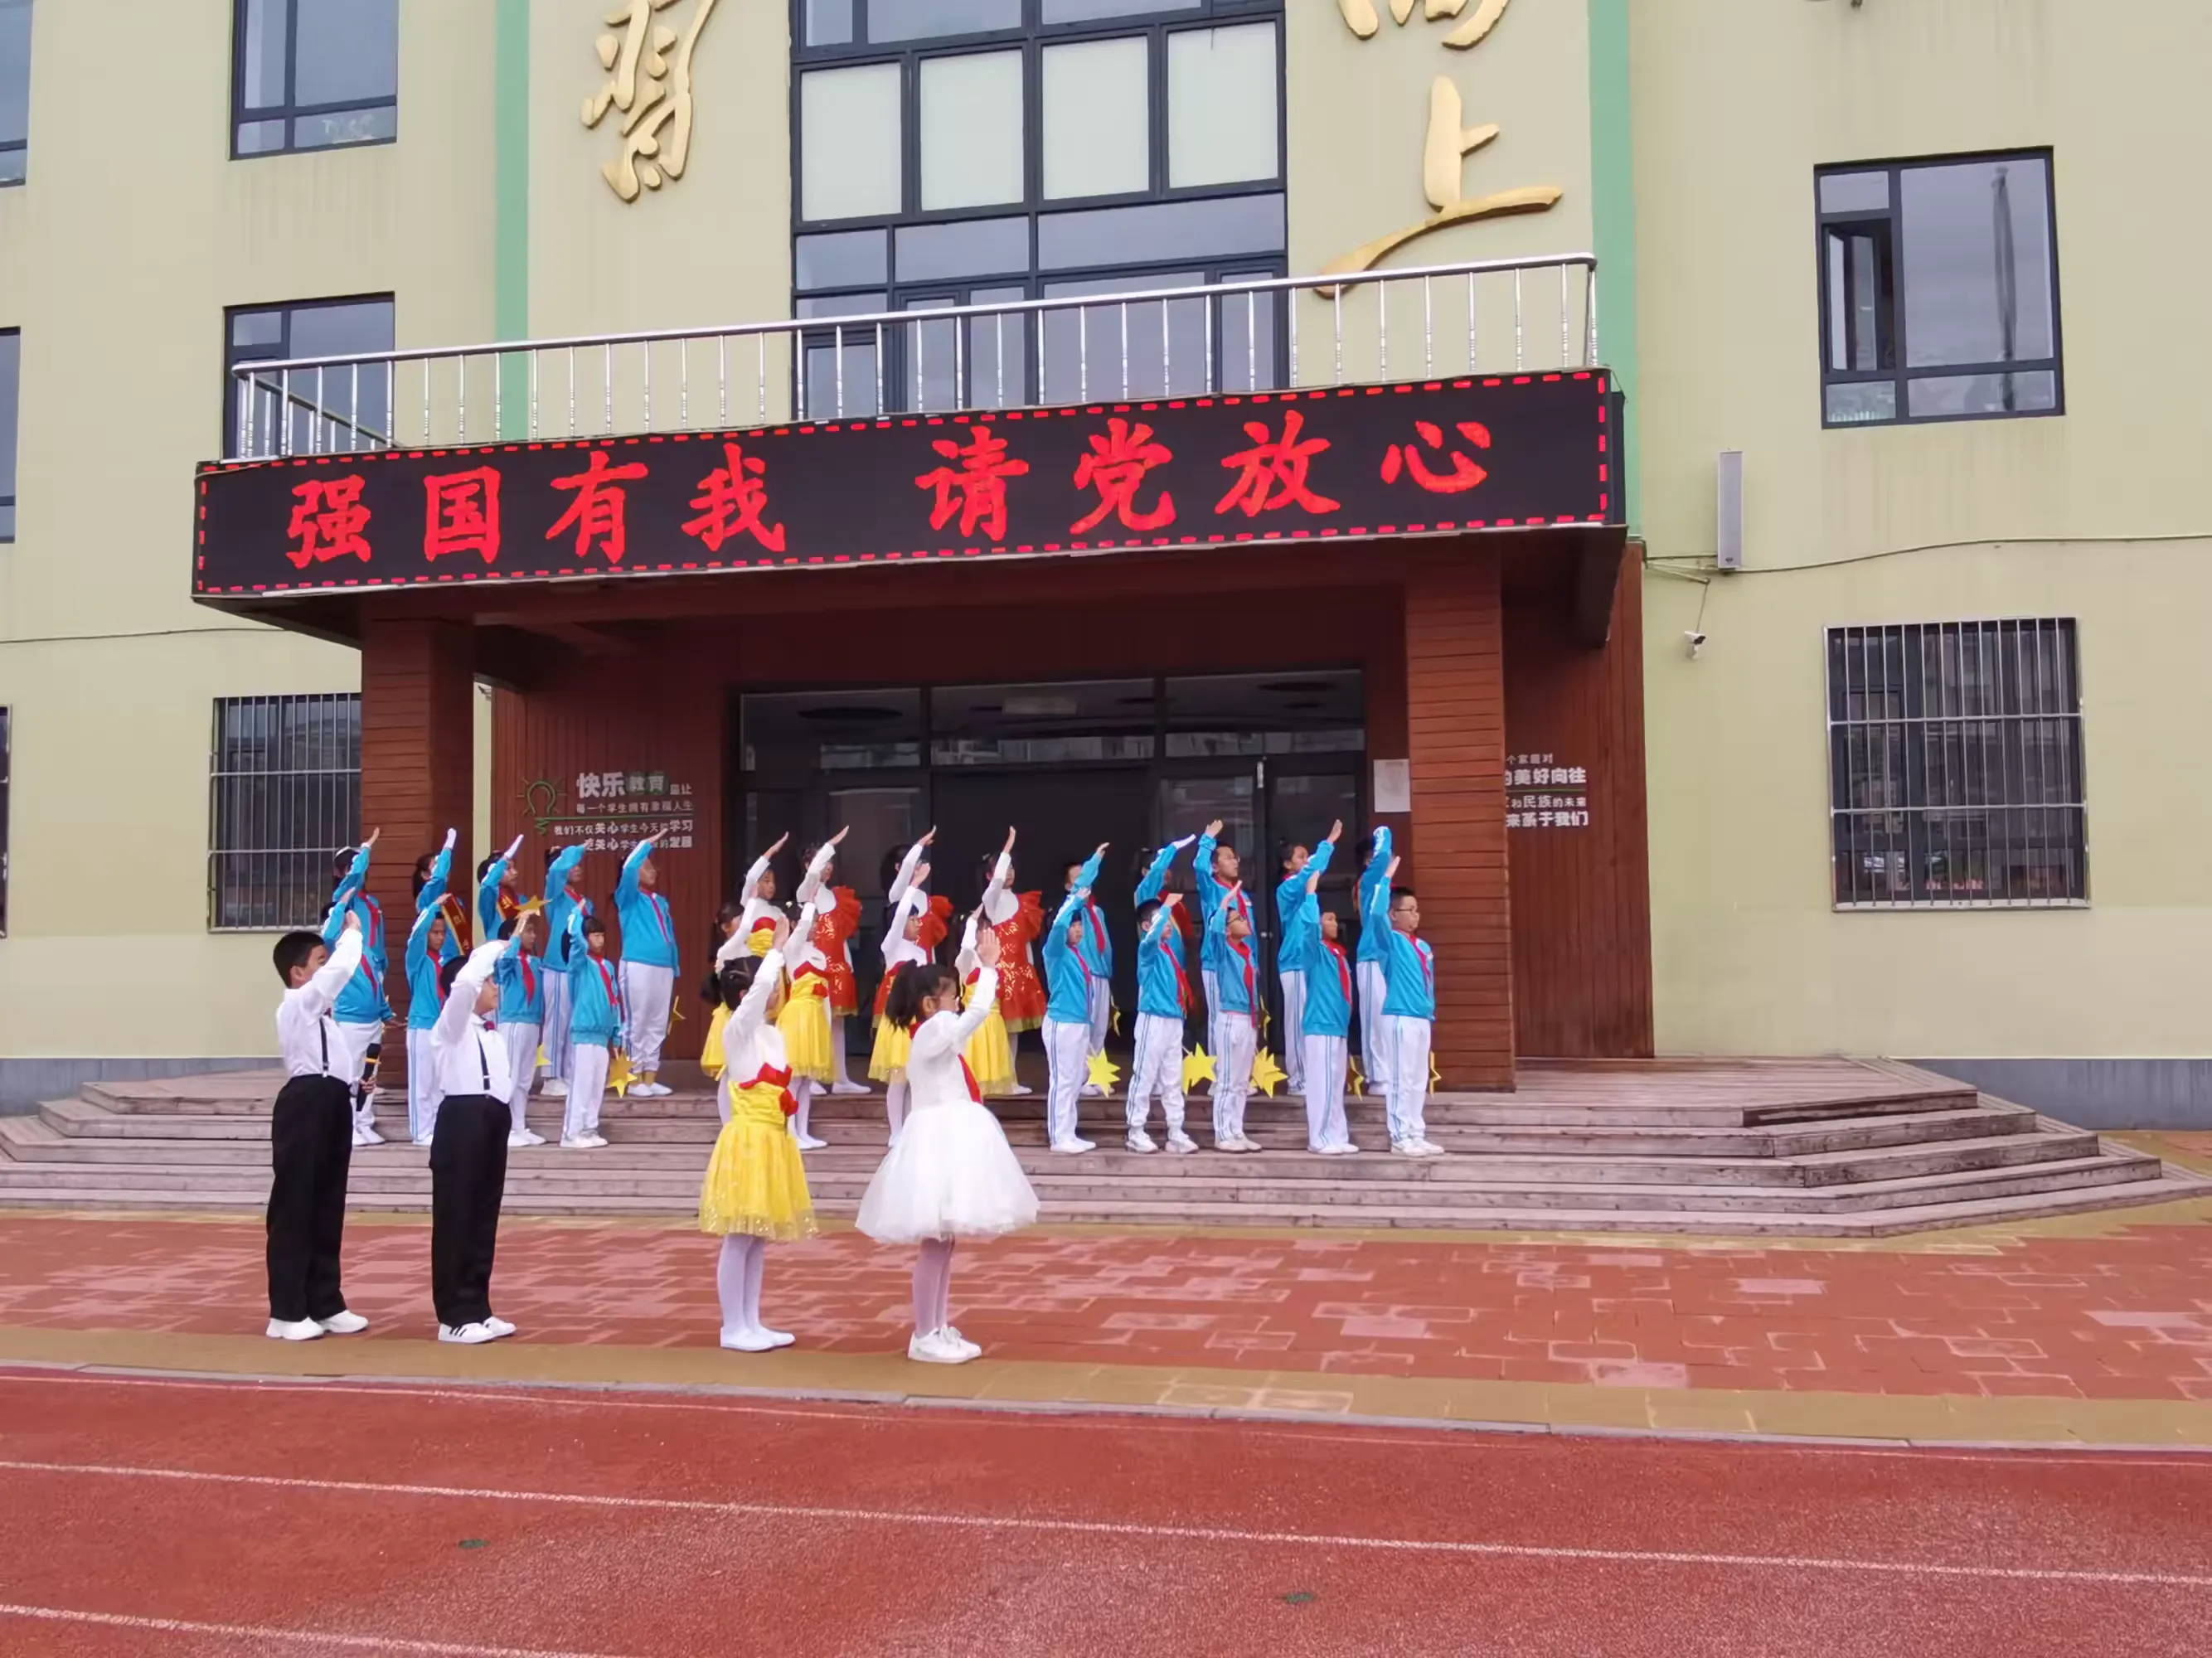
(342, 860)
(506, 927)
(592, 923)
(422, 872)
(1145, 911)
(1222, 845)
(736, 978)
(915, 980)
(727, 914)
(294, 949)
(483, 867)
(1397, 894)
(1285, 848)
(449, 972)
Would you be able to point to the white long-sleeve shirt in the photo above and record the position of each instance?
(932, 1068)
(899, 948)
(466, 1057)
(756, 909)
(750, 1041)
(307, 1036)
(998, 903)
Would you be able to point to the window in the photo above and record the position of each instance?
(14, 90)
(283, 797)
(7, 741)
(1955, 758)
(1939, 290)
(343, 409)
(315, 75)
(12, 360)
(979, 152)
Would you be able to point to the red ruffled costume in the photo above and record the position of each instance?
(936, 923)
(1021, 991)
(830, 933)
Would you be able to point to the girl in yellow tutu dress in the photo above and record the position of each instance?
(990, 1057)
(710, 1054)
(755, 1187)
(805, 1021)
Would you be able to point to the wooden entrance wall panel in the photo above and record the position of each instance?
(1581, 897)
(1455, 710)
(417, 767)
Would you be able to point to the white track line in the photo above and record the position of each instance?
(269, 1632)
(787, 1511)
(1498, 1437)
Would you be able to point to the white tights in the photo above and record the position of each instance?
(837, 1051)
(932, 1286)
(1014, 1059)
(738, 1280)
(802, 1090)
(894, 1103)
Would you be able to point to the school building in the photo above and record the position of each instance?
(1716, 477)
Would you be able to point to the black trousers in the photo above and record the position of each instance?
(468, 1179)
(310, 1147)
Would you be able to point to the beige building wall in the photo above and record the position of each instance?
(116, 259)
(1735, 103)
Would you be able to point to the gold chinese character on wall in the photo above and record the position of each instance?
(1448, 144)
(648, 67)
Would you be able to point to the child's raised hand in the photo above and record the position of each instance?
(930, 839)
(1391, 873)
(840, 835)
(1335, 829)
(452, 835)
(513, 846)
(920, 874)
(370, 845)
(1214, 830)
(352, 920)
(1008, 846)
(781, 841)
(987, 948)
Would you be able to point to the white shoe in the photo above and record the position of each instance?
(1236, 1143)
(364, 1133)
(499, 1326)
(1091, 1091)
(469, 1335)
(304, 1329)
(1428, 1148)
(935, 1349)
(423, 1141)
(848, 1087)
(1405, 1148)
(960, 1343)
(1074, 1148)
(746, 1341)
(776, 1338)
(1020, 1092)
(553, 1089)
(808, 1143)
(1347, 1149)
(582, 1143)
(1140, 1141)
(522, 1137)
(1181, 1143)
(344, 1322)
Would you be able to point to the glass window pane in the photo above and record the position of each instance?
(1041, 725)
(1246, 326)
(971, 130)
(1236, 227)
(352, 126)
(1854, 192)
(1862, 402)
(258, 137)
(1142, 349)
(333, 330)
(1323, 712)
(263, 328)
(832, 393)
(15, 70)
(261, 64)
(348, 51)
(931, 359)
(917, 19)
(1983, 394)
(832, 731)
(1097, 130)
(846, 260)
(829, 22)
(998, 352)
(850, 147)
(972, 247)
(1083, 11)
(11, 346)
(1977, 262)
(1223, 99)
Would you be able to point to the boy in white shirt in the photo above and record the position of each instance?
(468, 1147)
(310, 1139)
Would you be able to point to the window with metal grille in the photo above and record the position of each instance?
(1954, 754)
(283, 797)
(315, 74)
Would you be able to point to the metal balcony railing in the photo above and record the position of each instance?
(1500, 316)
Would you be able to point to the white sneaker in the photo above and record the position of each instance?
(776, 1338)
(344, 1322)
(746, 1341)
(554, 1088)
(1074, 1148)
(522, 1137)
(582, 1143)
(654, 1090)
(1347, 1149)
(499, 1326)
(808, 1143)
(1091, 1091)
(304, 1329)
(1428, 1148)
(469, 1335)
(1236, 1143)
(951, 1333)
(424, 1142)
(938, 1348)
(1405, 1148)
(848, 1087)
(364, 1133)
(1140, 1141)
(1020, 1092)
(1181, 1143)
(595, 1139)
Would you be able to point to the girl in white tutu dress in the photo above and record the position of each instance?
(950, 1173)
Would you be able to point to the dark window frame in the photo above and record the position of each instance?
(7, 528)
(20, 146)
(234, 357)
(1899, 374)
(1916, 712)
(329, 799)
(291, 112)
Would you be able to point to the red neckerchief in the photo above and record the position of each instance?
(529, 979)
(968, 1074)
(1244, 953)
(607, 983)
(1428, 960)
(1343, 970)
(1175, 959)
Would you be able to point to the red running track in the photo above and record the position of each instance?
(222, 1517)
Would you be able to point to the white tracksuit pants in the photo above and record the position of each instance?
(1157, 1072)
(1325, 1061)
(1294, 1028)
(588, 1084)
(1232, 1074)
(647, 994)
(1213, 1036)
(1067, 1049)
(1407, 1041)
(357, 1037)
(423, 1096)
(1374, 1052)
(554, 1034)
(521, 1041)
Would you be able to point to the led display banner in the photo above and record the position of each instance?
(1436, 457)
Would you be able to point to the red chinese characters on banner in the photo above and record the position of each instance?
(598, 512)
(327, 522)
(731, 501)
(1466, 473)
(1115, 467)
(976, 490)
(1274, 471)
(461, 514)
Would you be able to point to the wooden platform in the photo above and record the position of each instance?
(1809, 1147)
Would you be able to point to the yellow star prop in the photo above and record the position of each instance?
(1358, 1081)
(541, 1058)
(1436, 1073)
(1197, 1067)
(1104, 1073)
(1266, 1073)
(618, 1077)
(535, 907)
(1114, 1021)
